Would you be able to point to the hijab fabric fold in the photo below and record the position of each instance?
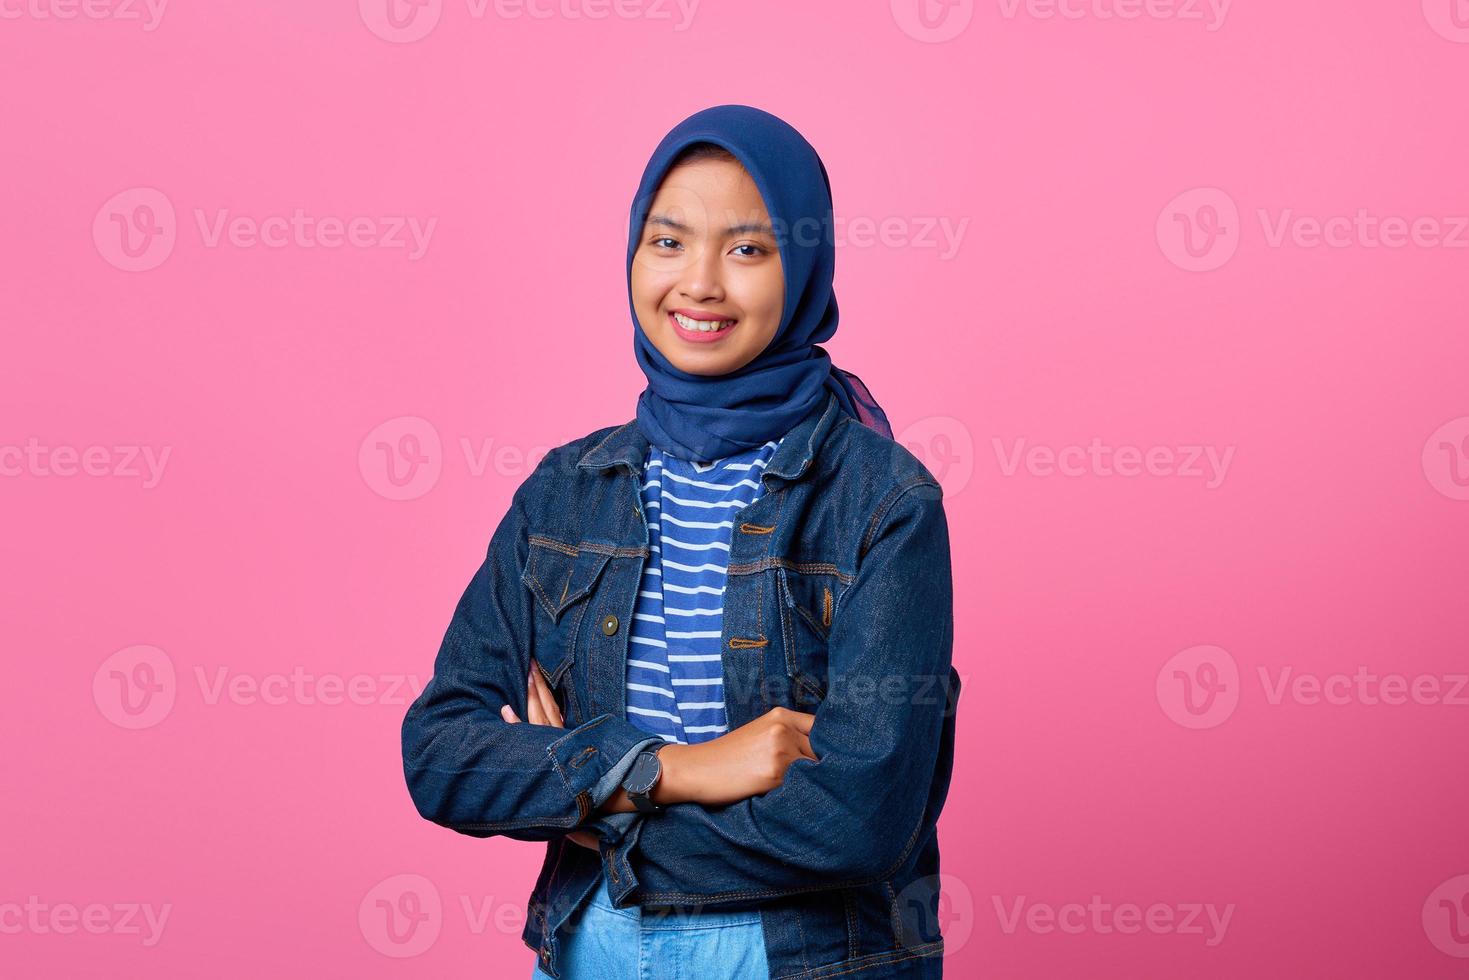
(700, 417)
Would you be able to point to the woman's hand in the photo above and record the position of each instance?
(739, 764)
(541, 709)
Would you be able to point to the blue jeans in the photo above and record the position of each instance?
(605, 943)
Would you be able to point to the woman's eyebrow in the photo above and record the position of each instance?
(743, 228)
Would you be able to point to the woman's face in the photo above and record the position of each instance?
(708, 257)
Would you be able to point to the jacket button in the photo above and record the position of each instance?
(609, 624)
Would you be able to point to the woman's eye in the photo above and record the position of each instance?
(659, 242)
(755, 250)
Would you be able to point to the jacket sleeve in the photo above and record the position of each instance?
(854, 815)
(466, 767)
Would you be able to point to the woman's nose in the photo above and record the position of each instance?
(702, 279)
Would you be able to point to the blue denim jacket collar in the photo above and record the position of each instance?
(626, 445)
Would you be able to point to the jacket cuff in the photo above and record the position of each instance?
(612, 827)
(589, 753)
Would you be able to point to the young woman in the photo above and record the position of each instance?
(707, 656)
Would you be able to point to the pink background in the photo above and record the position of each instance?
(1115, 280)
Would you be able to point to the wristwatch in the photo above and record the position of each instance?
(643, 776)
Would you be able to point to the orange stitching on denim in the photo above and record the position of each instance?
(553, 544)
(825, 606)
(582, 756)
(895, 921)
(574, 551)
(805, 567)
(742, 642)
(878, 959)
(535, 583)
(749, 528)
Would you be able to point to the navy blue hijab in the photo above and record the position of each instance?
(702, 417)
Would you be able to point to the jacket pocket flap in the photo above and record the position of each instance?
(560, 574)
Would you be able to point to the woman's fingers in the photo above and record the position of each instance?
(540, 703)
(803, 744)
(803, 720)
(533, 712)
(541, 692)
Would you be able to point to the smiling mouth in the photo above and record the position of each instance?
(701, 326)
(699, 331)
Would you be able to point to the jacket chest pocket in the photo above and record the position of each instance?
(806, 603)
(562, 577)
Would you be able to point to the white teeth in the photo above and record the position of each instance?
(703, 326)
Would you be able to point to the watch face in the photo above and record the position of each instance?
(644, 772)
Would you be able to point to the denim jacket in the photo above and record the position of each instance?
(838, 601)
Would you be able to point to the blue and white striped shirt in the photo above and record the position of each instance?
(675, 683)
